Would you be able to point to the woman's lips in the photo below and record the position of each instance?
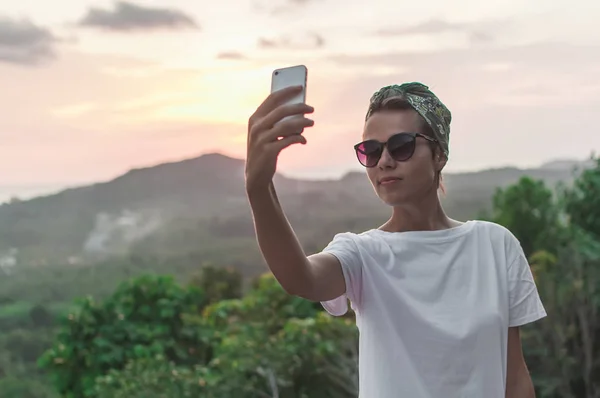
(389, 180)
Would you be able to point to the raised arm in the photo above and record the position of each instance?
(318, 277)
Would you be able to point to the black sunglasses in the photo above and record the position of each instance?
(400, 146)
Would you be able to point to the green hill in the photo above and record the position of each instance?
(197, 207)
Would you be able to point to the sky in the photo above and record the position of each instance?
(90, 89)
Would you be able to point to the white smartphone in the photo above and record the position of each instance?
(290, 76)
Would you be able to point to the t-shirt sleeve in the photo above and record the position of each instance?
(344, 248)
(525, 305)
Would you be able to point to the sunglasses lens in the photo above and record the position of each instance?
(401, 147)
(369, 153)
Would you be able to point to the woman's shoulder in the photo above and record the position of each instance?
(353, 241)
(498, 236)
(495, 230)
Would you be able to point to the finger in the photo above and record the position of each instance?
(283, 143)
(289, 127)
(277, 98)
(269, 121)
(279, 113)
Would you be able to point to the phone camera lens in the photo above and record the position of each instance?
(276, 73)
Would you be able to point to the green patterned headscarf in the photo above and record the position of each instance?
(435, 113)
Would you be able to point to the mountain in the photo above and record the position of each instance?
(199, 206)
(566, 164)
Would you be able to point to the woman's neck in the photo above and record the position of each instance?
(425, 214)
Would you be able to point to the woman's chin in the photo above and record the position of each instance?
(392, 199)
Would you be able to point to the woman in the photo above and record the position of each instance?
(438, 302)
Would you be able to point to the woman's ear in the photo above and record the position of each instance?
(440, 159)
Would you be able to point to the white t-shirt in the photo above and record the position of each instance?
(433, 308)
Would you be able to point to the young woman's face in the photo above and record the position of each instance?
(400, 182)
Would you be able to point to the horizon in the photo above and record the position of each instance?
(27, 192)
(93, 88)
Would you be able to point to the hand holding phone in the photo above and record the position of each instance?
(277, 123)
(288, 77)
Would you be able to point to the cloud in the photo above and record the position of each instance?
(231, 55)
(477, 33)
(433, 26)
(128, 16)
(24, 43)
(309, 41)
(281, 7)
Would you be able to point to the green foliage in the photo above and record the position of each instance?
(142, 319)
(273, 344)
(218, 283)
(157, 378)
(529, 211)
(583, 201)
(311, 357)
(570, 287)
(154, 338)
(563, 351)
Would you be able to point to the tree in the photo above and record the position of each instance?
(582, 205)
(218, 283)
(562, 241)
(529, 211)
(142, 319)
(153, 338)
(582, 202)
(272, 345)
(158, 378)
(569, 286)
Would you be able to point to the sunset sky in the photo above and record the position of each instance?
(89, 89)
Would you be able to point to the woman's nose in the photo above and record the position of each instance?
(386, 161)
